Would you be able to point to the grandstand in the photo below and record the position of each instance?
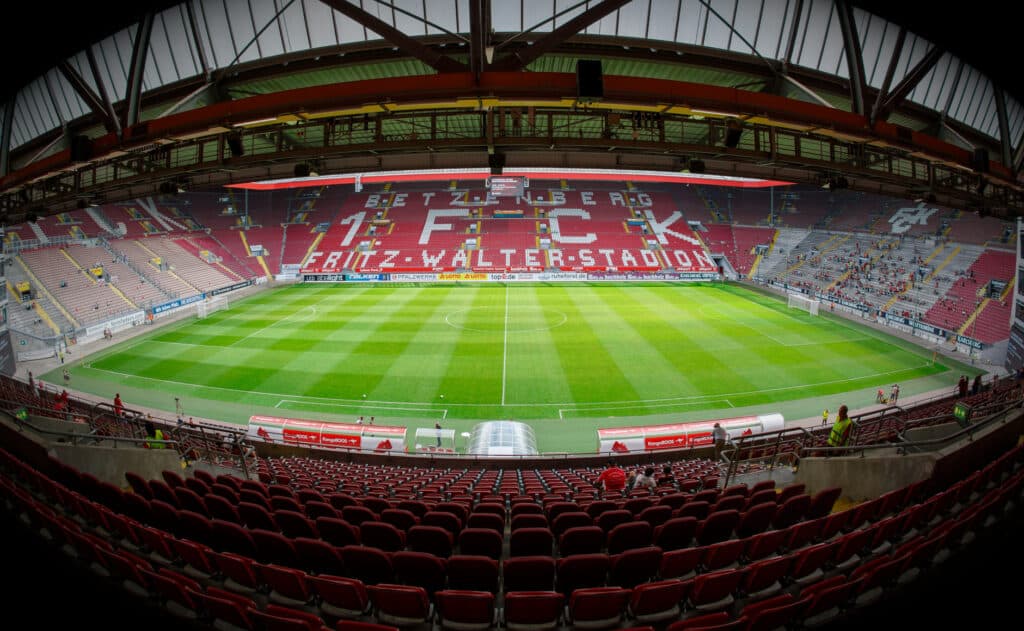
(319, 541)
(293, 237)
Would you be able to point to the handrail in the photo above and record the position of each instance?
(75, 437)
(903, 446)
(786, 436)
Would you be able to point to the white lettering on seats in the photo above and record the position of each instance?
(432, 226)
(556, 231)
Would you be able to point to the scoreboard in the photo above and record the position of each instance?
(507, 186)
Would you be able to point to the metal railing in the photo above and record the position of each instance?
(873, 431)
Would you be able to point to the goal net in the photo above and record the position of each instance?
(211, 305)
(804, 303)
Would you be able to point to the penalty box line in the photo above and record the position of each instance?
(365, 406)
(581, 411)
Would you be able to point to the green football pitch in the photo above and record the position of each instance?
(566, 358)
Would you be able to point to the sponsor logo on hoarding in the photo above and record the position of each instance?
(180, 302)
(263, 433)
(340, 440)
(967, 341)
(619, 447)
(697, 440)
(665, 442)
(224, 290)
(462, 276)
(384, 445)
(299, 436)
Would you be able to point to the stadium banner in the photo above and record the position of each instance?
(679, 435)
(512, 276)
(322, 435)
(229, 288)
(969, 341)
(917, 324)
(323, 278)
(119, 323)
(366, 278)
(648, 276)
(462, 276)
(176, 304)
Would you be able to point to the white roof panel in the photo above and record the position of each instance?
(228, 27)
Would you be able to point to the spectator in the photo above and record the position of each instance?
(118, 406)
(962, 386)
(67, 377)
(976, 386)
(630, 479)
(824, 417)
(154, 434)
(613, 478)
(666, 479)
(31, 381)
(719, 435)
(895, 394)
(437, 426)
(645, 480)
(840, 433)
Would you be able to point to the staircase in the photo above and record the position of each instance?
(101, 220)
(43, 239)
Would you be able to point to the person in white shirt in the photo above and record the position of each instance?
(645, 480)
(720, 436)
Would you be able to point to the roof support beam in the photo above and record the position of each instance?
(854, 58)
(6, 124)
(408, 45)
(1018, 155)
(890, 71)
(809, 92)
(108, 104)
(479, 18)
(93, 100)
(910, 82)
(140, 51)
(547, 43)
(193, 24)
(798, 9)
(1004, 126)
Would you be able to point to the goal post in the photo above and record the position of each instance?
(804, 303)
(211, 305)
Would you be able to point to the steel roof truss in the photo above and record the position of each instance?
(140, 51)
(909, 82)
(854, 58)
(93, 100)
(521, 59)
(408, 45)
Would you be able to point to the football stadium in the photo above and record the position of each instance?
(459, 314)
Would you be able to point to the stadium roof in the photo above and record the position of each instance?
(811, 89)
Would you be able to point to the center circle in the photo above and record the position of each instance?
(500, 319)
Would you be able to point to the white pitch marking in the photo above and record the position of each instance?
(504, 349)
(575, 406)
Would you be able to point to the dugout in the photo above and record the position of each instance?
(429, 440)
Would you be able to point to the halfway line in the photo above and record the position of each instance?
(504, 349)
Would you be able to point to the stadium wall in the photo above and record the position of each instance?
(480, 277)
(869, 474)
